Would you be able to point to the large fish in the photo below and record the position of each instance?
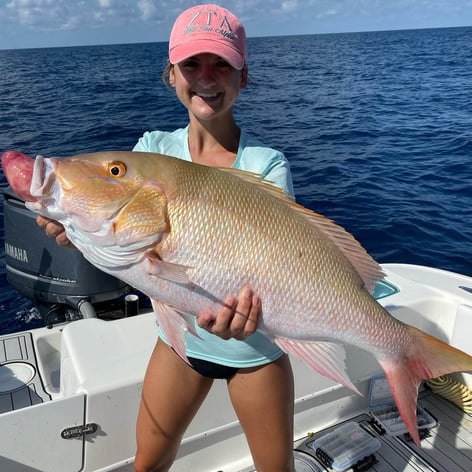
(188, 235)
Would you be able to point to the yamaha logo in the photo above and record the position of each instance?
(16, 252)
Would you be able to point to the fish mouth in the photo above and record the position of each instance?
(31, 179)
(44, 189)
(42, 181)
(18, 169)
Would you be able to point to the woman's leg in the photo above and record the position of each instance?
(263, 399)
(172, 394)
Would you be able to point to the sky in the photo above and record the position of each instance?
(56, 23)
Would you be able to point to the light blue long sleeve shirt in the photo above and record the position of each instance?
(271, 164)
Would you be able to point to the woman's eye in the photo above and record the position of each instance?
(222, 64)
(190, 64)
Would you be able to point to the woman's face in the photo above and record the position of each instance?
(207, 85)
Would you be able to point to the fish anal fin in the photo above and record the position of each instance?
(326, 358)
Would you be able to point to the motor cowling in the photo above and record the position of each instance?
(46, 273)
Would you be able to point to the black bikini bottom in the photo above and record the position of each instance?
(212, 370)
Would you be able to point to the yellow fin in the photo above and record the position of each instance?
(368, 269)
(258, 180)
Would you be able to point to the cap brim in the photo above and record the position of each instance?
(181, 52)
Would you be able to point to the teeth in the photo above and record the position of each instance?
(207, 95)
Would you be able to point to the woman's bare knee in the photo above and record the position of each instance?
(161, 464)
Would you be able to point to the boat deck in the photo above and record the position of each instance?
(21, 384)
(446, 448)
(75, 377)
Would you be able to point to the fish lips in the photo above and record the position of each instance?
(43, 178)
(18, 169)
(43, 186)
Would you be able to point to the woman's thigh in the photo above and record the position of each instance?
(172, 394)
(263, 399)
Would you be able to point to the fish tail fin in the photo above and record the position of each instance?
(429, 357)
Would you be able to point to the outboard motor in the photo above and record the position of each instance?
(56, 279)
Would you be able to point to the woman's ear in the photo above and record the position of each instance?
(172, 76)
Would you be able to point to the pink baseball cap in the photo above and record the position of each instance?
(208, 29)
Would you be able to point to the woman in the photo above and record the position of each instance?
(208, 68)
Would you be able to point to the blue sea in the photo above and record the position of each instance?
(377, 127)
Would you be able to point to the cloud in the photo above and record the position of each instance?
(112, 11)
(289, 5)
(148, 9)
(36, 12)
(325, 13)
(63, 14)
(29, 23)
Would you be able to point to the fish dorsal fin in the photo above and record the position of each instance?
(257, 179)
(368, 269)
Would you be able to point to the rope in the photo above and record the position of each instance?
(454, 391)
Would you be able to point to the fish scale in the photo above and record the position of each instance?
(188, 235)
(257, 270)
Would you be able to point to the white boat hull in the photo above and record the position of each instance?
(88, 375)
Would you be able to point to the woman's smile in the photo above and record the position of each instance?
(207, 95)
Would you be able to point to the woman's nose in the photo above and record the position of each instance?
(207, 76)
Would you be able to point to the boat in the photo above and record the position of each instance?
(70, 391)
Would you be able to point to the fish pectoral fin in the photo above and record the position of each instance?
(326, 358)
(166, 270)
(174, 326)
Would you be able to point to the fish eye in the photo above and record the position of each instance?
(117, 169)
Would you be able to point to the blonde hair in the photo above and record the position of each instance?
(165, 76)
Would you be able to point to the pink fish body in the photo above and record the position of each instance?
(189, 235)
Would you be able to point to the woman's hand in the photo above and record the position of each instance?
(54, 230)
(237, 318)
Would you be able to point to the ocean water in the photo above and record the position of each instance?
(377, 127)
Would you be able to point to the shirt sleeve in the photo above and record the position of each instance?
(148, 142)
(270, 163)
(141, 144)
(278, 172)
